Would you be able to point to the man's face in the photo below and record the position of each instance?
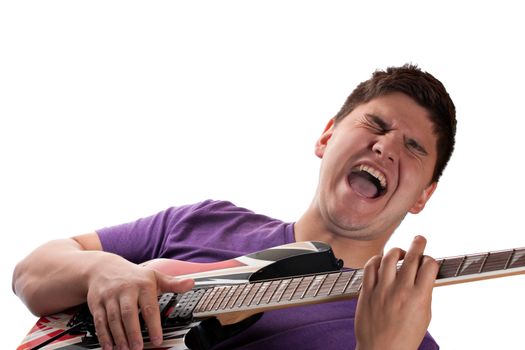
(377, 164)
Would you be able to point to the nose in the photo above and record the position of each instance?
(386, 147)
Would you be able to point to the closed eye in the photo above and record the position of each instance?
(414, 145)
(377, 124)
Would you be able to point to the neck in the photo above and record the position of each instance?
(355, 248)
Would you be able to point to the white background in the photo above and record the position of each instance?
(111, 111)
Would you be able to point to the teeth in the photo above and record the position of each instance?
(375, 173)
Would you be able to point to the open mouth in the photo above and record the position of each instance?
(367, 181)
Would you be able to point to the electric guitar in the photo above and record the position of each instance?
(229, 296)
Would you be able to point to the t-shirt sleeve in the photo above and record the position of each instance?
(428, 343)
(143, 239)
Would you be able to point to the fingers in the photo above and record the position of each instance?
(382, 269)
(128, 312)
(427, 273)
(394, 307)
(388, 269)
(411, 263)
(116, 304)
(167, 283)
(149, 305)
(149, 308)
(101, 325)
(415, 268)
(115, 324)
(370, 275)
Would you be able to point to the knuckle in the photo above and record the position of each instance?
(124, 285)
(373, 261)
(411, 259)
(113, 318)
(149, 309)
(430, 264)
(127, 310)
(146, 283)
(393, 254)
(403, 295)
(99, 320)
(430, 261)
(107, 293)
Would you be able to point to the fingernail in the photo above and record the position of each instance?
(156, 341)
(136, 346)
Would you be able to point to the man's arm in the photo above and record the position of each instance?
(394, 306)
(68, 272)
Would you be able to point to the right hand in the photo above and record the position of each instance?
(117, 290)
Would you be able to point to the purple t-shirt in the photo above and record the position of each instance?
(216, 230)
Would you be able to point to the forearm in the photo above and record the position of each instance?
(55, 276)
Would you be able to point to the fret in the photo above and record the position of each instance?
(509, 259)
(342, 282)
(304, 286)
(228, 296)
(236, 295)
(322, 279)
(460, 266)
(244, 294)
(314, 287)
(209, 299)
(337, 276)
(219, 297)
(280, 290)
(271, 290)
(292, 287)
(441, 261)
(204, 300)
(327, 284)
(472, 264)
(496, 261)
(483, 263)
(260, 293)
(355, 283)
(348, 283)
(449, 267)
(301, 287)
(519, 259)
(252, 293)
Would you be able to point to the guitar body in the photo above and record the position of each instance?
(186, 331)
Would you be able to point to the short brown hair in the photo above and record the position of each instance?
(426, 90)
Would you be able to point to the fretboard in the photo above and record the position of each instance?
(323, 287)
(467, 268)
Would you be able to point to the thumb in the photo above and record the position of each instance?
(167, 283)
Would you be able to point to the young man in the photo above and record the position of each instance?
(382, 156)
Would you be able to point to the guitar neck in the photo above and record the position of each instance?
(317, 288)
(474, 267)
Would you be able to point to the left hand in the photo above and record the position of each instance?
(394, 307)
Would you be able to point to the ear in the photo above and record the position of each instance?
(423, 198)
(321, 143)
